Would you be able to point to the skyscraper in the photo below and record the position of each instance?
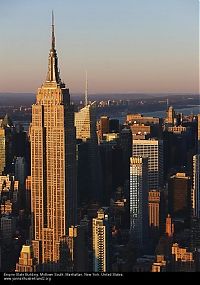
(196, 186)
(153, 149)
(198, 134)
(7, 130)
(2, 150)
(154, 209)
(78, 247)
(139, 199)
(182, 259)
(85, 123)
(114, 126)
(169, 227)
(102, 127)
(53, 164)
(126, 145)
(27, 262)
(20, 170)
(101, 241)
(171, 117)
(179, 197)
(83, 179)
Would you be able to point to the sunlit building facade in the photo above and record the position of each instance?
(153, 149)
(2, 150)
(139, 199)
(53, 164)
(27, 262)
(101, 241)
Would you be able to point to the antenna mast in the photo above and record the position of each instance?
(86, 88)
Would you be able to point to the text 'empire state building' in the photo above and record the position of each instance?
(53, 164)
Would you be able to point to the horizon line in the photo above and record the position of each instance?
(113, 93)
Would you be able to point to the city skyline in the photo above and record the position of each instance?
(160, 56)
(83, 194)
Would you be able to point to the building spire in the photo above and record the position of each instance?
(53, 71)
(53, 43)
(86, 88)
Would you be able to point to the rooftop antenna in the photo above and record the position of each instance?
(52, 31)
(86, 88)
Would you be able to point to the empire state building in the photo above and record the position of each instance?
(53, 164)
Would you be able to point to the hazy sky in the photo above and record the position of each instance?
(125, 45)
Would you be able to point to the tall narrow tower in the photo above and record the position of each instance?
(85, 123)
(86, 89)
(196, 186)
(139, 200)
(101, 241)
(198, 134)
(53, 164)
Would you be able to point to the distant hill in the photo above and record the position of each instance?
(133, 96)
(18, 99)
